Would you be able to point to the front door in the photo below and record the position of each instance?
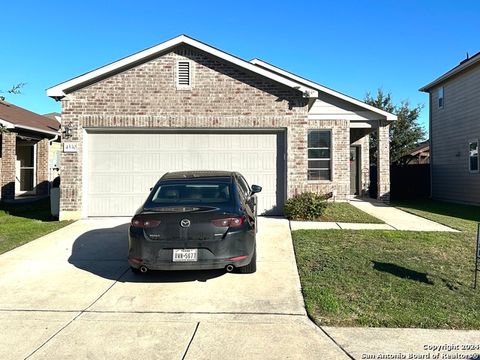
(354, 170)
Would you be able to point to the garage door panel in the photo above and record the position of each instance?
(122, 167)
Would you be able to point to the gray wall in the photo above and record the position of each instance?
(451, 130)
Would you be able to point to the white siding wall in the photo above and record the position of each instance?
(327, 107)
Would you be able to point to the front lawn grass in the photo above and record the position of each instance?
(21, 223)
(347, 213)
(393, 278)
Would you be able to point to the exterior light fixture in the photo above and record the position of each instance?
(67, 132)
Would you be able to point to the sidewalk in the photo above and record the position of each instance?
(395, 219)
(414, 343)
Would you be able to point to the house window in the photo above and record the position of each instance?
(319, 162)
(184, 74)
(440, 98)
(473, 156)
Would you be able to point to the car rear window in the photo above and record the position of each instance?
(197, 193)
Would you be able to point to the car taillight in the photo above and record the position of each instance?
(229, 222)
(140, 222)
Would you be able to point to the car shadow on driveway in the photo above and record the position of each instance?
(103, 252)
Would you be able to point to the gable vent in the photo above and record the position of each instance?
(183, 73)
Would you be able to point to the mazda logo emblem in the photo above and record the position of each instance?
(185, 223)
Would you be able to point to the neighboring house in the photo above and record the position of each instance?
(184, 105)
(455, 133)
(25, 141)
(419, 155)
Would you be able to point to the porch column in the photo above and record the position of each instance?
(41, 187)
(383, 162)
(7, 179)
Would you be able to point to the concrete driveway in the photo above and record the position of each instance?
(70, 294)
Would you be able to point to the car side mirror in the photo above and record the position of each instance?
(256, 189)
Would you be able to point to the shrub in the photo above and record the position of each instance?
(305, 206)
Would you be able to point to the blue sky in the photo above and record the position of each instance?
(351, 46)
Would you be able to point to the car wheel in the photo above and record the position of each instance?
(250, 268)
(135, 270)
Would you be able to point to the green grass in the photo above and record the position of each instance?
(344, 212)
(393, 278)
(22, 223)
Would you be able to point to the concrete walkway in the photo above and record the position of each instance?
(395, 219)
(71, 295)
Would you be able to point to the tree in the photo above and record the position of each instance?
(15, 89)
(405, 133)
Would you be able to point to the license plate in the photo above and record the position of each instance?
(185, 255)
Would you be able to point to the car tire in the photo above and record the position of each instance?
(135, 270)
(250, 268)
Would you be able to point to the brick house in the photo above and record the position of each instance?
(184, 105)
(26, 138)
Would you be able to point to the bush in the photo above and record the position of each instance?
(305, 206)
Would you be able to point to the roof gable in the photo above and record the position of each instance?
(309, 88)
(321, 88)
(62, 89)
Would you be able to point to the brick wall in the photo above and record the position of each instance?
(9, 143)
(42, 167)
(383, 162)
(222, 96)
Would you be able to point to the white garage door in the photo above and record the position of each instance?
(123, 166)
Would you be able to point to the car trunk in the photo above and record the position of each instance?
(185, 224)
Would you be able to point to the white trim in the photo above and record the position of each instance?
(60, 90)
(361, 125)
(35, 180)
(478, 156)
(37, 130)
(185, 129)
(33, 168)
(263, 64)
(84, 209)
(343, 116)
(330, 131)
(10, 125)
(441, 95)
(6, 124)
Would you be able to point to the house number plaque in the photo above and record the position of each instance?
(70, 147)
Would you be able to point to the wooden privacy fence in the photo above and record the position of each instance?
(406, 181)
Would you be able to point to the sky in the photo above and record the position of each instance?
(353, 47)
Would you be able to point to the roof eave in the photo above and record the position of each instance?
(388, 116)
(11, 126)
(457, 69)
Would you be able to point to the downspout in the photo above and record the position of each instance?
(49, 144)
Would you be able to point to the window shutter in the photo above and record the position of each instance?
(183, 74)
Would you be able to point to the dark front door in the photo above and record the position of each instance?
(354, 170)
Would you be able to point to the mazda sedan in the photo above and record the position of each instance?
(196, 220)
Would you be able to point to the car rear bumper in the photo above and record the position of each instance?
(212, 254)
